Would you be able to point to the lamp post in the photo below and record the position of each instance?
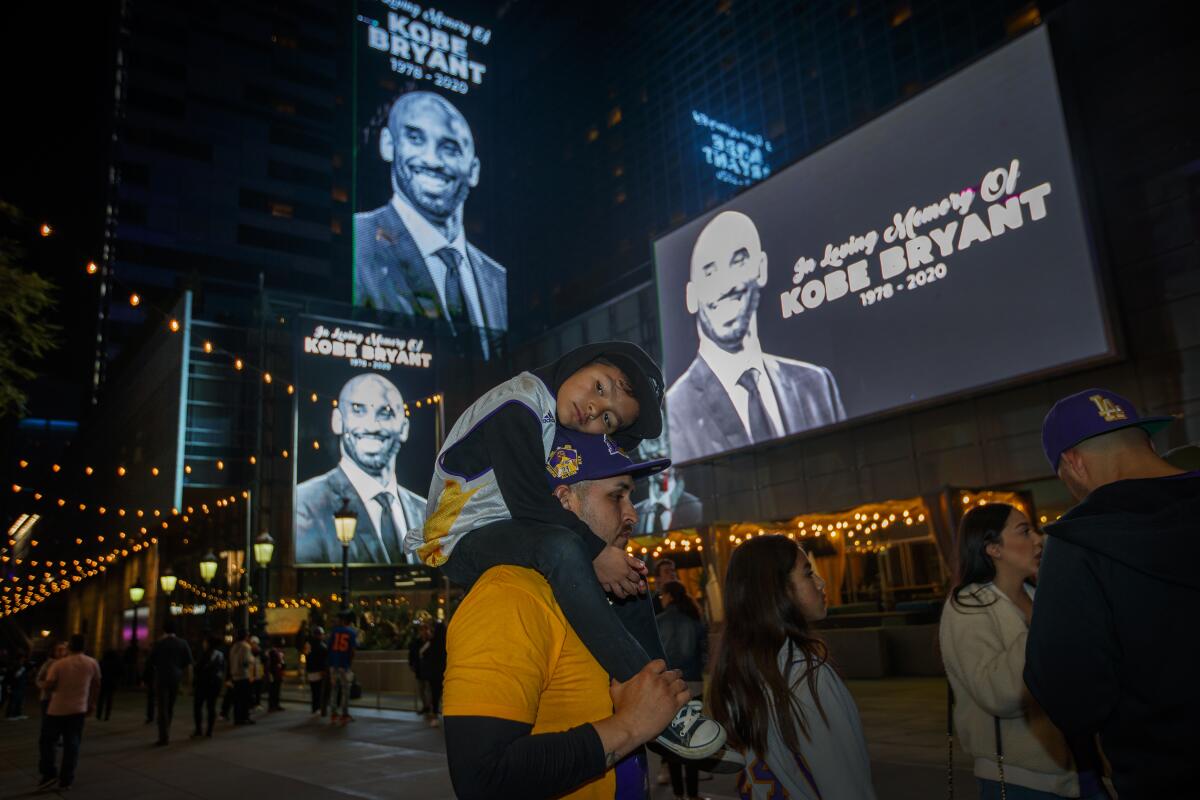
(136, 593)
(167, 581)
(208, 571)
(344, 523)
(264, 548)
(208, 567)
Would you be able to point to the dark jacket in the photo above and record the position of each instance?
(169, 657)
(703, 421)
(1112, 647)
(433, 656)
(319, 498)
(111, 670)
(414, 656)
(685, 642)
(210, 671)
(391, 274)
(317, 659)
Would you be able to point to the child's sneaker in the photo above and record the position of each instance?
(691, 735)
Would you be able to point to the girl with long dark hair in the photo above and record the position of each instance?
(773, 688)
(984, 626)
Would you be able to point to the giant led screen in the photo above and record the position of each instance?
(365, 439)
(939, 248)
(421, 162)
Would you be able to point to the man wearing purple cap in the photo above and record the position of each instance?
(1112, 648)
(529, 711)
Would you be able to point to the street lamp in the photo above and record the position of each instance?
(167, 581)
(208, 567)
(136, 593)
(344, 523)
(264, 548)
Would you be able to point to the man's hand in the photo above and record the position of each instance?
(619, 573)
(642, 707)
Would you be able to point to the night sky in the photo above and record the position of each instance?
(57, 64)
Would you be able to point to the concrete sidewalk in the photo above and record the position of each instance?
(393, 754)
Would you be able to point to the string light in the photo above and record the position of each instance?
(135, 299)
(173, 325)
(92, 269)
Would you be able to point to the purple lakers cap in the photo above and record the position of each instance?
(579, 457)
(1092, 412)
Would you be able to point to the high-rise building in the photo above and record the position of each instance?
(229, 159)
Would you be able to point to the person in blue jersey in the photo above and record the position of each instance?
(773, 687)
(343, 643)
(488, 506)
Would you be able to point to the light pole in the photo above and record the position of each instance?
(208, 571)
(136, 593)
(167, 582)
(344, 523)
(264, 548)
(208, 567)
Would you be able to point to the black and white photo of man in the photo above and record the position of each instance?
(733, 394)
(411, 254)
(668, 506)
(371, 427)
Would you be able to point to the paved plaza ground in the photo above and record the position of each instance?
(389, 754)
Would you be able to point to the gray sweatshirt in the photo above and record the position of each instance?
(833, 763)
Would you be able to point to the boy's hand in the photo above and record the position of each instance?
(619, 573)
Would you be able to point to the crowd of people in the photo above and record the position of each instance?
(555, 683)
(228, 683)
(561, 669)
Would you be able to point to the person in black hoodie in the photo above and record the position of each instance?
(1112, 649)
(209, 675)
(110, 676)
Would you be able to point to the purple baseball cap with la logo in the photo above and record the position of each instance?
(1092, 412)
(579, 457)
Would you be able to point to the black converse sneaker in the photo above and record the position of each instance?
(691, 735)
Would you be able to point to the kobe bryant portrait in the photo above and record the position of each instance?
(411, 254)
(668, 505)
(733, 394)
(371, 427)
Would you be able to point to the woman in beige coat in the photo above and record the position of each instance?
(984, 626)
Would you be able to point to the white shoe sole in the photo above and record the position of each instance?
(692, 753)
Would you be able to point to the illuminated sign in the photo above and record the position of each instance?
(936, 250)
(737, 157)
(369, 349)
(365, 438)
(425, 43)
(421, 154)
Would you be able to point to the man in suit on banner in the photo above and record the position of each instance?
(733, 394)
(411, 255)
(668, 506)
(370, 422)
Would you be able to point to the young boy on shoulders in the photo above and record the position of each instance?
(488, 506)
